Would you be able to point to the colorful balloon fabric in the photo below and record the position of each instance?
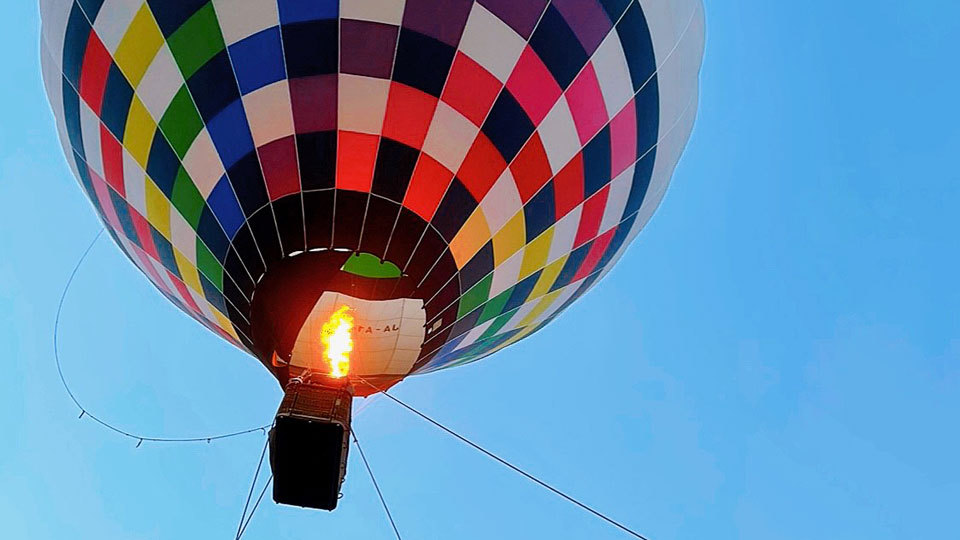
(457, 172)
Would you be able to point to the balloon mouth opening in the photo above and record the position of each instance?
(342, 314)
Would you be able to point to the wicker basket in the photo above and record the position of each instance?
(309, 442)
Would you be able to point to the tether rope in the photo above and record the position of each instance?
(243, 524)
(84, 412)
(253, 486)
(513, 467)
(383, 501)
(254, 509)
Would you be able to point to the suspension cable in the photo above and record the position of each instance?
(512, 467)
(84, 412)
(253, 486)
(255, 506)
(243, 524)
(383, 501)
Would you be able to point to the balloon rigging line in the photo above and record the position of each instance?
(253, 486)
(383, 501)
(84, 412)
(255, 506)
(243, 524)
(511, 466)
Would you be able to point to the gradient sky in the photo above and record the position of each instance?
(776, 357)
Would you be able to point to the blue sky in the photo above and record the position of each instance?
(776, 357)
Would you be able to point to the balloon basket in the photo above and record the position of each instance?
(309, 442)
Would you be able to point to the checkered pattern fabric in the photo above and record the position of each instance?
(501, 153)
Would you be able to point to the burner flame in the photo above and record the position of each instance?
(338, 342)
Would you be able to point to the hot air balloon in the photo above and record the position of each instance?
(356, 191)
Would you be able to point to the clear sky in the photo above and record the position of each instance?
(776, 357)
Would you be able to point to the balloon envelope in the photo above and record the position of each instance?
(456, 172)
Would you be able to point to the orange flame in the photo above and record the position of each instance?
(338, 342)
